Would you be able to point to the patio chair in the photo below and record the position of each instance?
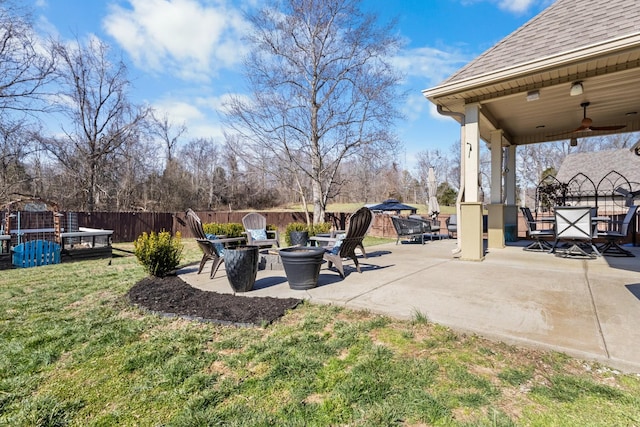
(412, 228)
(434, 225)
(255, 226)
(611, 246)
(574, 225)
(210, 249)
(535, 233)
(345, 248)
(452, 225)
(195, 224)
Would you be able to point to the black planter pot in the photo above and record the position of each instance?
(302, 266)
(299, 238)
(241, 265)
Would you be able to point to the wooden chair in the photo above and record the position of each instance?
(195, 224)
(345, 248)
(210, 249)
(255, 226)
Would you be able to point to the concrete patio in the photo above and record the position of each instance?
(586, 308)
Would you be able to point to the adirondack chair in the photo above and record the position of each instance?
(255, 226)
(212, 249)
(35, 253)
(345, 248)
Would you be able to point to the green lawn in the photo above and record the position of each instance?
(74, 352)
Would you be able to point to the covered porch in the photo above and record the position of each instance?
(547, 81)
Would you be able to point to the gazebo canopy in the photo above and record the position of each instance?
(393, 205)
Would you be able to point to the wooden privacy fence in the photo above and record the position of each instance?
(127, 226)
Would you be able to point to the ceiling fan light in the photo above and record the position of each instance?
(576, 89)
(573, 142)
(533, 95)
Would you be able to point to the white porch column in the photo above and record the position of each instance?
(470, 219)
(495, 229)
(471, 153)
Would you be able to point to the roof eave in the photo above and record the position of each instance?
(582, 54)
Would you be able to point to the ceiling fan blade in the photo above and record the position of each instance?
(608, 127)
(568, 132)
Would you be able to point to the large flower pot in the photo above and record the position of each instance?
(241, 265)
(302, 266)
(299, 238)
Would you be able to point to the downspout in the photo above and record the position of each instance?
(460, 197)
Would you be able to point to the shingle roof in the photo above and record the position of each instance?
(597, 164)
(564, 26)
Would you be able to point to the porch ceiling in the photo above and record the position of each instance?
(610, 75)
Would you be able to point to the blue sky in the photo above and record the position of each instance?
(184, 56)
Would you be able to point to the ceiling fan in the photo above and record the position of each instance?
(585, 125)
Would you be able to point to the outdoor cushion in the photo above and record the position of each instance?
(336, 246)
(258, 234)
(219, 246)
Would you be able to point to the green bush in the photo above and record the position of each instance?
(313, 229)
(294, 226)
(232, 229)
(323, 227)
(158, 253)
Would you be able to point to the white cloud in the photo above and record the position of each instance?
(517, 7)
(180, 111)
(430, 64)
(180, 37)
(198, 114)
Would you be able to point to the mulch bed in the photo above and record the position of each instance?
(172, 296)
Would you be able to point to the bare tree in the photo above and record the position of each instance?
(168, 132)
(25, 66)
(322, 89)
(94, 99)
(15, 146)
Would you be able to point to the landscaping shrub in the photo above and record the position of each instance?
(232, 229)
(313, 229)
(323, 227)
(158, 253)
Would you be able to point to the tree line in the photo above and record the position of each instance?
(317, 125)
